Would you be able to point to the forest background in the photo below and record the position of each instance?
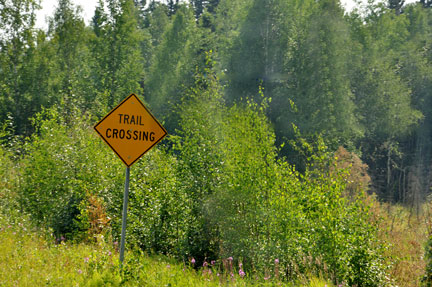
(285, 117)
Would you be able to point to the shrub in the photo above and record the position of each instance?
(62, 162)
(8, 172)
(159, 212)
(199, 150)
(358, 179)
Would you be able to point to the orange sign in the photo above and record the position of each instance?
(130, 130)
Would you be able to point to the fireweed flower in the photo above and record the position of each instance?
(205, 264)
(276, 261)
(86, 259)
(241, 273)
(193, 260)
(212, 262)
(230, 258)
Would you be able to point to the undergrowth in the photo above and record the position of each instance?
(406, 233)
(30, 258)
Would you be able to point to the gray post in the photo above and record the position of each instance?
(125, 204)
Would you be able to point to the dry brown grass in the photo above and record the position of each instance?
(405, 230)
(406, 234)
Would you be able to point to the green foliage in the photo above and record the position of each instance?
(427, 280)
(70, 58)
(199, 148)
(17, 18)
(302, 220)
(8, 172)
(222, 193)
(261, 209)
(221, 186)
(159, 211)
(173, 63)
(385, 98)
(118, 67)
(29, 259)
(59, 168)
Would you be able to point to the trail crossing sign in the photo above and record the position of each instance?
(130, 130)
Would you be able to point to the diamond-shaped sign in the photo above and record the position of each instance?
(130, 130)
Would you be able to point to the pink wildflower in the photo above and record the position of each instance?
(241, 273)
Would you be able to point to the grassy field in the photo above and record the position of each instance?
(29, 259)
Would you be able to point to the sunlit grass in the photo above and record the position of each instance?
(406, 233)
(30, 259)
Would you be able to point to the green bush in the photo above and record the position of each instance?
(198, 146)
(7, 181)
(67, 168)
(62, 163)
(159, 211)
(427, 279)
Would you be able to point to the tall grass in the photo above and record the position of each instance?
(406, 233)
(28, 258)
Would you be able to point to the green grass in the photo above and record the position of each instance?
(28, 258)
(31, 258)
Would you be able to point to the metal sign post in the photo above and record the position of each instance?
(130, 130)
(125, 204)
